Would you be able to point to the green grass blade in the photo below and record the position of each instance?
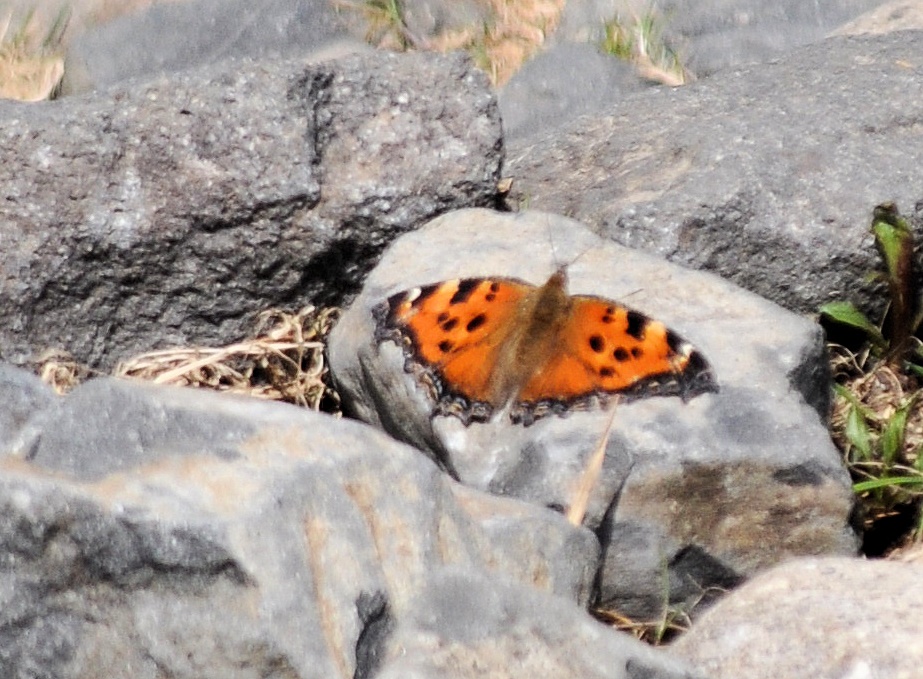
(857, 432)
(846, 313)
(887, 481)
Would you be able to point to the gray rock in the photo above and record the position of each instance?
(169, 213)
(423, 20)
(23, 399)
(712, 36)
(174, 36)
(204, 564)
(561, 84)
(897, 15)
(668, 504)
(729, 33)
(765, 175)
(464, 626)
(825, 618)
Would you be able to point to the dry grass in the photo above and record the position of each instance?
(882, 391)
(640, 40)
(877, 423)
(31, 61)
(284, 361)
(655, 633)
(34, 36)
(516, 31)
(513, 32)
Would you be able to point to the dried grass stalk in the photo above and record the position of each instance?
(284, 362)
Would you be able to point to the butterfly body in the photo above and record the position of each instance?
(483, 346)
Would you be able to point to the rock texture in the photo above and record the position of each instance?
(824, 618)
(560, 84)
(170, 212)
(669, 503)
(766, 175)
(168, 37)
(712, 36)
(192, 534)
(448, 635)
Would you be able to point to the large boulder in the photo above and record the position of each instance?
(765, 174)
(697, 494)
(149, 531)
(826, 618)
(172, 211)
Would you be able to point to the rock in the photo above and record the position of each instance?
(171, 212)
(766, 175)
(826, 618)
(709, 37)
(174, 36)
(466, 626)
(561, 84)
(24, 398)
(240, 553)
(425, 21)
(897, 15)
(711, 490)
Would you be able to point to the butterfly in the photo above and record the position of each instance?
(481, 346)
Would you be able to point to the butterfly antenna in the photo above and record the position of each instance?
(550, 233)
(590, 477)
(559, 265)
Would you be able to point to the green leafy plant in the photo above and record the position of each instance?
(877, 420)
(893, 340)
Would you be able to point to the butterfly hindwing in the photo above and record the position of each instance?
(608, 349)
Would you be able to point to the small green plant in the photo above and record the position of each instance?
(877, 420)
(894, 340)
(641, 41)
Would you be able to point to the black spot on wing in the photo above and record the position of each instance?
(620, 354)
(476, 322)
(597, 343)
(449, 324)
(465, 288)
(636, 324)
(674, 341)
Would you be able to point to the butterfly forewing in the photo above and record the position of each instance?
(455, 329)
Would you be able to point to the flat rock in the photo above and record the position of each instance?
(25, 399)
(464, 626)
(712, 490)
(241, 548)
(826, 618)
(167, 37)
(170, 212)
(560, 84)
(766, 175)
(714, 35)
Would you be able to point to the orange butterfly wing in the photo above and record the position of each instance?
(605, 348)
(452, 334)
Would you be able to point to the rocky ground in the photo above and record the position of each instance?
(212, 159)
